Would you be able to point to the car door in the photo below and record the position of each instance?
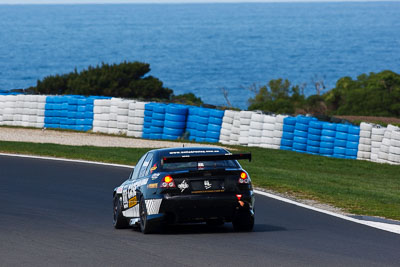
(129, 191)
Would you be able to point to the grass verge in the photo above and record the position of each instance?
(359, 187)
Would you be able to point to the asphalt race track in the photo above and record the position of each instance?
(56, 213)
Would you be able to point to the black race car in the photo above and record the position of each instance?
(186, 185)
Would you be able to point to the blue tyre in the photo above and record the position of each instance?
(314, 137)
(214, 128)
(148, 113)
(289, 121)
(340, 143)
(343, 128)
(352, 145)
(301, 127)
(289, 148)
(201, 134)
(299, 146)
(315, 124)
(173, 131)
(215, 120)
(286, 142)
(328, 133)
(147, 119)
(174, 124)
(159, 109)
(155, 136)
(313, 143)
(353, 137)
(341, 135)
(313, 149)
(354, 130)
(327, 139)
(351, 152)
(158, 123)
(212, 134)
(158, 116)
(326, 145)
(325, 151)
(201, 127)
(339, 150)
(217, 113)
(175, 117)
(300, 133)
(314, 131)
(287, 135)
(177, 110)
(329, 126)
(288, 128)
(300, 140)
(203, 112)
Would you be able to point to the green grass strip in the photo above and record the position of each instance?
(359, 187)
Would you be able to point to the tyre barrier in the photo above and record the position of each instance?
(170, 121)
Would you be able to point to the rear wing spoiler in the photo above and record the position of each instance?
(189, 158)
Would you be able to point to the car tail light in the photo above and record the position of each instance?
(167, 182)
(244, 179)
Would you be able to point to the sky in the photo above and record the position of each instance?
(164, 1)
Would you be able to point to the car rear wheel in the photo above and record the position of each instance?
(145, 226)
(119, 221)
(244, 222)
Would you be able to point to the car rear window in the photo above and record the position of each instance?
(195, 165)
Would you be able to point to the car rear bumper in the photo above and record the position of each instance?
(202, 207)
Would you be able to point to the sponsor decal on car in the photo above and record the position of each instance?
(182, 186)
(207, 184)
(208, 191)
(155, 185)
(132, 202)
(155, 176)
(153, 168)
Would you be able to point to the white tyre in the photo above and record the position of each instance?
(103, 124)
(280, 118)
(277, 134)
(394, 150)
(256, 125)
(123, 105)
(267, 140)
(245, 114)
(395, 135)
(123, 111)
(245, 121)
(105, 110)
(394, 158)
(226, 126)
(224, 138)
(383, 155)
(363, 155)
(243, 140)
(279, 126)
(122, 118)
(375, 150)
(229, 114)
(254, 140)
(391, 127)
(122, 125)
(365, 126)
(378, 131)
(140, 105)
(114, 109)
(40, 119)
(40, 112)
(225, 132)
(244, 127)
(113, 117)
(268, 133)
(132, 105)
(135, 127)
(365, 148)
(235, 130)
(257, 117)
(139, 113)
(277, 141)
(136, 120)
(384, 148)
(395, 143)
(112, 124)
(376, 138)
(365, 140)
(268, 126)
(365, 134)
(255, 133)
(244, 134)
(386, 142)
(227, 120)
(269, 119)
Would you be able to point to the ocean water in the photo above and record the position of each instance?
(202, 48)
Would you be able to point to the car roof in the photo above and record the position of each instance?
(191, 150)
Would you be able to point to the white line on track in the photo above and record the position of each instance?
(382, 226)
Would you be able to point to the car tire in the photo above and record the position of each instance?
(146, 227)
(243, 222)
(119, 221)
